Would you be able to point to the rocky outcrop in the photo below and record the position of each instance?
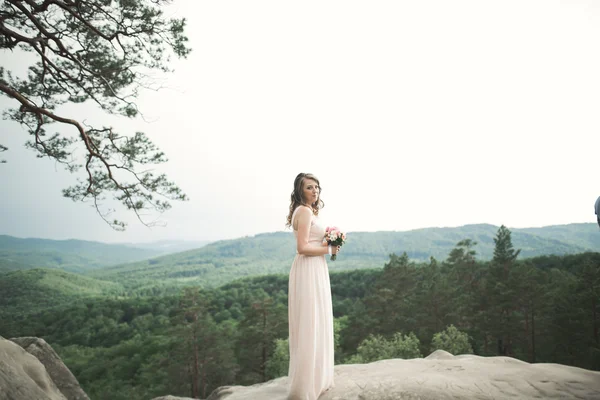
(440, 376)
(23, 376)
(58, 371)
(41, 375)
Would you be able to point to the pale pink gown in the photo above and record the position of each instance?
(310, 316)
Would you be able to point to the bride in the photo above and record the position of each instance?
(310, 311)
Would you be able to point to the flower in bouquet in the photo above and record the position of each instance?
(334, 237)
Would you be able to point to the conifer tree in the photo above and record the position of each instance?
(502, 288)
(264, 322)
(98, 52)
(504, 251)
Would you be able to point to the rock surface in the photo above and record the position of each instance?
(440, 376)
(23, 376)
(58, 371)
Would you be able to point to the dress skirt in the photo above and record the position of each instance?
(310, 316)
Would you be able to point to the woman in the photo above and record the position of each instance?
(310, 312)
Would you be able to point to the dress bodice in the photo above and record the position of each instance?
(317, 231)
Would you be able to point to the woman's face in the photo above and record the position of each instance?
(310, 191)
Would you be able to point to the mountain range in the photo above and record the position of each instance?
(223, 261)
(35, 270)
(137, 266)
(79, 255)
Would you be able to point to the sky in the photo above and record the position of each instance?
(412, 114)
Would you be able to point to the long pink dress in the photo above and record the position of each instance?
(310, 316)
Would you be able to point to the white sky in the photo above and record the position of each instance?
(411, 113)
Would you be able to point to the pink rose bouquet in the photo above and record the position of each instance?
(334, 237)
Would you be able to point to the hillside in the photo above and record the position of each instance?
(222, 261)
(211, 265)
(39, 289)
(582, 235)
(76, 255)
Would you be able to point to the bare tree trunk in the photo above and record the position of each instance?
(527, 332)
(533, 334)
(595, 321)
(263, 366)
(195, 390)
(190, 376)
(485, 344)
(204, 383)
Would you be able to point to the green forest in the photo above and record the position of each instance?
(187, 341)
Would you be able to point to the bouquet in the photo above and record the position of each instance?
(334, 237)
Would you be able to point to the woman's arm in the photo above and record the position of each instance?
(302, 221)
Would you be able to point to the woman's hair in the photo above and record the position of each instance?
(298, 200)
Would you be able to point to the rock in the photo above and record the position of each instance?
(440, 355)
(440, 376)
(22, 376)
(58, 371)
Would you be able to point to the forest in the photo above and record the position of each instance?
(189, 341)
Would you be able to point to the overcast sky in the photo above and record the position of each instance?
(412, 114)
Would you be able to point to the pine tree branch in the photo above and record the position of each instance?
(92, 50)
(129, 191)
